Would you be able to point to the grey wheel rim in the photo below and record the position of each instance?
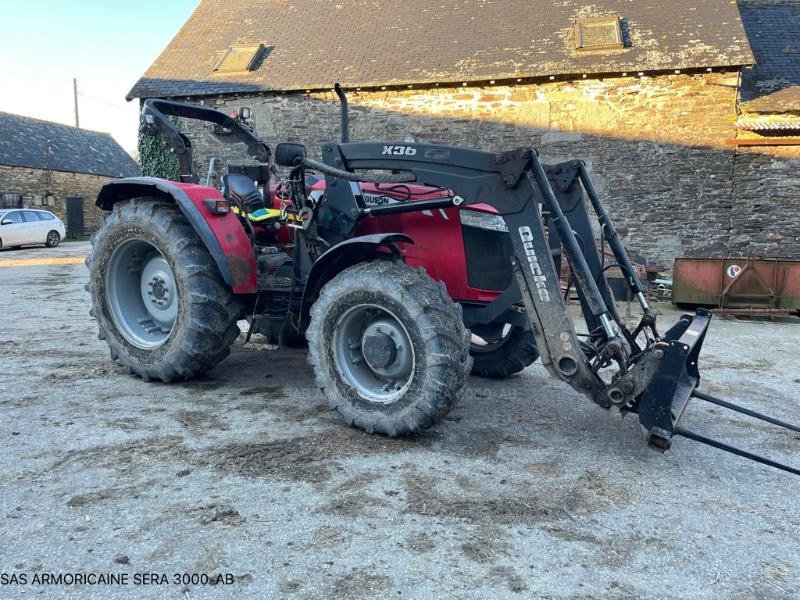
(481, 346)
(141, 291)
(52, 238)
(373, 353)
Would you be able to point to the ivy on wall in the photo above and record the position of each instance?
(155, 158)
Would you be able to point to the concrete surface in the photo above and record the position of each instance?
(525, 490)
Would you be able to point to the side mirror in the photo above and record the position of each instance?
(288, 155)
(6, 222)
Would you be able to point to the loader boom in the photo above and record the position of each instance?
(516, 185)
(635, 371)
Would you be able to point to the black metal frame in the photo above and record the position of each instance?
(154, 120)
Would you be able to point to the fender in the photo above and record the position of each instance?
(346, 254)
(223, 235)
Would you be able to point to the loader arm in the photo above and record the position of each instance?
(628, 371)
(516, 185)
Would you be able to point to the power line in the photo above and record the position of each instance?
(120, 107)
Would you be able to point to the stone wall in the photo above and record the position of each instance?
(38, 182)
(655, 145)
(765, 219)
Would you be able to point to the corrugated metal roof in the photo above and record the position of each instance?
(769, 123)
(36, 144)
(384, 42)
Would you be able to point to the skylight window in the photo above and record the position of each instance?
(599, 33)
(241, 59)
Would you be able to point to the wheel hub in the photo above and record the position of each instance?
(142, 293)
(379, 350)
(157, 281)
(374, 352)
(159, 292)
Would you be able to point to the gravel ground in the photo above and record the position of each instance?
(524, 490)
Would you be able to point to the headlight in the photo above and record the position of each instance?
(482, 220)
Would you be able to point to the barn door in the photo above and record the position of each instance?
(75, 217)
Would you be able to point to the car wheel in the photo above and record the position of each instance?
(53, 239)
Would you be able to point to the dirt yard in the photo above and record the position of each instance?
(525, 490)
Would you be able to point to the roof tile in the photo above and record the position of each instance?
(773, 27)
(32, 143)
(371, 43)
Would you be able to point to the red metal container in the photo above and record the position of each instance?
(738, 283)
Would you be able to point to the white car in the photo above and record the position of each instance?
(29, 226)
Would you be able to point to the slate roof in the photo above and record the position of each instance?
(27, 142)
(371, 43)
(773, 27)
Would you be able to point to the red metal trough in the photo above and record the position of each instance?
(738, 285)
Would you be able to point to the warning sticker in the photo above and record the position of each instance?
(734, 271)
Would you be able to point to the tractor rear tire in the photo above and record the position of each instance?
(159, 299)
(389, 348)
(508, 355)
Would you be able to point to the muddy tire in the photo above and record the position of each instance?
(512, 351)
(388, 346)
(158, 297)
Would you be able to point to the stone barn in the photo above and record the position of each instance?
(647, 93)
(58, 168)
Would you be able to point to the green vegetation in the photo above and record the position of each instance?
(155, 158)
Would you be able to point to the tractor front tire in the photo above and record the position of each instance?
(389, 348)
(514, 350)
(159, 299)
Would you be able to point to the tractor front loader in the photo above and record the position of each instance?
(387, 320)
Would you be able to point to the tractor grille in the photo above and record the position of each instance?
(488, 258)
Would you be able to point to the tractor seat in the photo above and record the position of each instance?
(242, 189)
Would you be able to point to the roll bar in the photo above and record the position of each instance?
(154, 120)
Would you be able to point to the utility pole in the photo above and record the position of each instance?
(75, 95)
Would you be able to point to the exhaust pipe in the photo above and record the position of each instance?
(345, 125)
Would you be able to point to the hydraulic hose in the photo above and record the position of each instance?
(349, 176)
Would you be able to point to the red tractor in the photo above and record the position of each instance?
(405, 266)
(263, 270)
